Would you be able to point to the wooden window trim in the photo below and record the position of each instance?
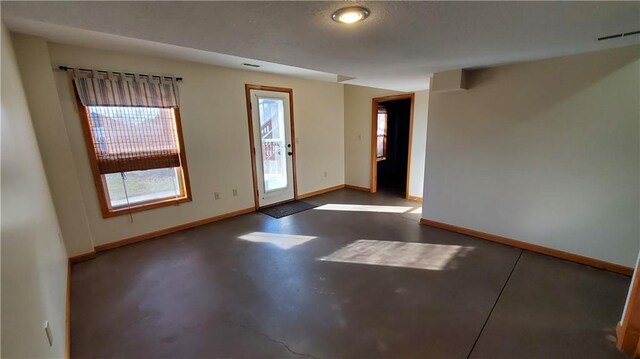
(100, 184)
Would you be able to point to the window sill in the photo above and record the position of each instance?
(140, 207)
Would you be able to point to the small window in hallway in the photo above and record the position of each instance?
(382, 133)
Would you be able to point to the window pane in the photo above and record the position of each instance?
(143, 186)
(274, 148)
(382, 124)
(381, 133)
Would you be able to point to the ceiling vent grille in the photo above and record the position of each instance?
(619, 35)
(250, 65)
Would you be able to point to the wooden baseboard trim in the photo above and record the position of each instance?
(619, 335)
(142, 237)
(627, 340)
(82, 257)
(612, 267)
(414, 198)
(67, 323)
(357, 188)
(319, 192)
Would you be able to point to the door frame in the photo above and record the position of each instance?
(252, 147)
(374, 129)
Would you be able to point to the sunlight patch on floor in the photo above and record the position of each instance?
(397, 254)
(363, 208)
(284, 241)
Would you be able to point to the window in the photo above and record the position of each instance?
(382, 134)
(136, 187)
(136, 152)
(138, 158)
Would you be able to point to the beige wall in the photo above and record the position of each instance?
(545, 152)
(357, 133)
(51, 132)
(419, 143)
(214, 122)
(357, 136)
(34, 261)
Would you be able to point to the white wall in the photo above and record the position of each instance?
(545, 152)
(214, 121)
(357, 136)
(34, 261)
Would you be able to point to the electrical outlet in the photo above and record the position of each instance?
(47, 331)
(216, 195)
(235, 192)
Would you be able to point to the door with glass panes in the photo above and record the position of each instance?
(272, 139)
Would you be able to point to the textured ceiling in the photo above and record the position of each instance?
(398, 47)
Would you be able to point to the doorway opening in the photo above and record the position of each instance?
(392, 127)
(271, 137)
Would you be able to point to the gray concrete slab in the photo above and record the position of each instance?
(205, 292)
(552, 308)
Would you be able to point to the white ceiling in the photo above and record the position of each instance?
(398, 47)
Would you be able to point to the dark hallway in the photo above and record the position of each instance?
(394, 122)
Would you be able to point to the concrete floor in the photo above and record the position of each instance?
(204, 292)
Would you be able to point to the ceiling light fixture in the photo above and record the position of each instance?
(350, 15)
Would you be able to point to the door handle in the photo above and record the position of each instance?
(290, 153)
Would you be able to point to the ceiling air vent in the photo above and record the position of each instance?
(619, 35)
(250, 65)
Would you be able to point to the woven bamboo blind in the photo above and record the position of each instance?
(132, 123)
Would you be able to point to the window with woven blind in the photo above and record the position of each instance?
(134, 139)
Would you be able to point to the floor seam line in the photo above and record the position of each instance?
(495, 304)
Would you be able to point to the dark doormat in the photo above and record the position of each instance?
(287, 209)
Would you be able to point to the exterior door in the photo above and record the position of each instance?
(273, 146)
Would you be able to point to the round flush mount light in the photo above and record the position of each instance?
(350, 15)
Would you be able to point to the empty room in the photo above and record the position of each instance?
(311, 179)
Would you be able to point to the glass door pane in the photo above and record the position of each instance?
(273, 142)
